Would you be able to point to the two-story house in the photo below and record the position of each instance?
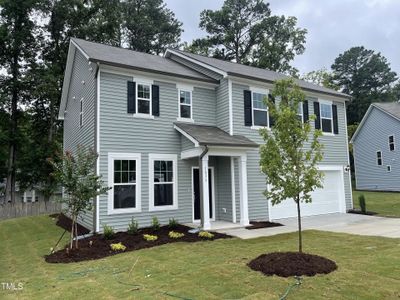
(177, 136)
(376, 148)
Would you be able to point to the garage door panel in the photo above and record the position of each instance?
(324, 200)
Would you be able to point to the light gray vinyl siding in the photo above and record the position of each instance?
(223, 105)
(196, 67)
(373, 137)
(224, 189)
(335, 153)
(204, 106)
(82, 86)
(121, 132)
(186, 144)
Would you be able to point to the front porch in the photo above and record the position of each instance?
(222, 158)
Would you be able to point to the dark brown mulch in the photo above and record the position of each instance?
(262, 224)
(96, 246)
(287, 264)
(359, 212)
(65, 223)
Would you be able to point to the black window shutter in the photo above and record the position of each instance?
(248, 121)
(271, 119)
(335, 119)
(131, 97)
(305, 111)
(155, 103)
(317, 115)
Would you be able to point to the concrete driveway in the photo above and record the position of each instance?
(345, 223)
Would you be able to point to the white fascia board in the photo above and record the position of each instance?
(189, 137)
(195, 61)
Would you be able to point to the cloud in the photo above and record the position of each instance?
(333, 26)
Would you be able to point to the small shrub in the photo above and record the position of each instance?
(173, 223)
(363, 206)
(155, 224)
(133, 227)
(149, 237)
(175, 235)
(108, 232)
(117, 247)
(206, 234)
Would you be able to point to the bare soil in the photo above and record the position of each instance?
(286, 264)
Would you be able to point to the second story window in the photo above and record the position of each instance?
(260, 110)
(326, 118)
(391, 143)
(185, 104)
(379, 158)
(143, 98)
(300, 112)
(81, 113)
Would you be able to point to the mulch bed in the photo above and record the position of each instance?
(286, 264)
(359, 212)
(262, 224)
(65, 223)
(96, 246)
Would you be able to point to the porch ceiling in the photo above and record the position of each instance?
(213, 136)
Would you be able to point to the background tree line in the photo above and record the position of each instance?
(34, 39)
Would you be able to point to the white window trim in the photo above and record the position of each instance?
(143, 115)
(326, 102)
(389, 168)
(258, 91)
(124, 156)
(185, 88)
(302, 112)
(81, 113)
(394, 144)
(376, 158)
(174, 159)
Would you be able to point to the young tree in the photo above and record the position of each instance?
(76, 173)
(291, 151)
(366, 76)
(245, 31)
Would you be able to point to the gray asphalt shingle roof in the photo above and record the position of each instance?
(133, 59)
(214, 136)
(392, 108)
(241, 70)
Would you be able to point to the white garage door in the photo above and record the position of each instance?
(324, 201)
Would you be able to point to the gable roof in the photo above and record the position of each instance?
(121, 57)
(390, 108)
(240, 70)
(213, 136)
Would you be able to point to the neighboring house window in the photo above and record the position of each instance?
(260, 110)
(326, 117)
(389, 168)
(124, 180)
(379, 158)
(81, 113)
(391, 143)
(143, 98)
(185, 104)
(163, 181)
(300, 111)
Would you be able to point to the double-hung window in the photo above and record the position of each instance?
(260, 110)
(379, 158)
(163, 181)
(326, 117)
(144, 98)
(185, 104)
(124, 179)
(81, 113)
(300, 111)
(391, 143)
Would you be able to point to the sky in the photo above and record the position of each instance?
(333, 26)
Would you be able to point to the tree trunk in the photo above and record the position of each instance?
(71, 242)
(299, 224)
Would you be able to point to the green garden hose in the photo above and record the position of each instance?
(298, 282)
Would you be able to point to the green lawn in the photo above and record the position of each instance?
(369, 268)
(383, 203)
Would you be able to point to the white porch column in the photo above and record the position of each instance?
(233, 190)
(24, 197)
(244, 207)
(33, 195)
(204, 196)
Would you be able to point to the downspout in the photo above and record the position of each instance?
(96, 212)
(204, 153)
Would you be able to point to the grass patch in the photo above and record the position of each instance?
(368, 268)
(386, 204)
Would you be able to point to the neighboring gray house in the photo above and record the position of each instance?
(152, 120)
(376, 148)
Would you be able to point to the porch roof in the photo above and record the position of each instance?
(213, 136)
